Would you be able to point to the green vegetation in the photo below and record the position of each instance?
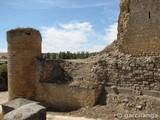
(67, 55)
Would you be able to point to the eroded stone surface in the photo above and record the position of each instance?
(138, 27)
(24, 45)
(14, 104)
(30, 111)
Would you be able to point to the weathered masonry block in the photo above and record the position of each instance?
(139, 27)
(30, 111)
(14, 104)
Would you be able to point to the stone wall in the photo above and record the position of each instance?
(138, 73)
(64, 97)
(142, 73)
(53, 88)
(138, 27)
(51, 71)
(24, 45)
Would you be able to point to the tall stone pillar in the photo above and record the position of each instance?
(24, 45)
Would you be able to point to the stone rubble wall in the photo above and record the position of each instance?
(138, 73)
(129, 91)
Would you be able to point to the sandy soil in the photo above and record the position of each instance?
(3, 99)
(62, 117)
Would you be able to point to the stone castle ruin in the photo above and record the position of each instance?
(130, 65)
(32, 77)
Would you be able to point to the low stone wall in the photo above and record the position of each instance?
(53, 87)
(64, 97)
(118, 90)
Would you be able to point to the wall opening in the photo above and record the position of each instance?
(149, 14)
(27, 33)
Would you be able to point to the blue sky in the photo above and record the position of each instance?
(65, 25)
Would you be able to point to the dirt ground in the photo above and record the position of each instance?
(74, 115)
(118, 109)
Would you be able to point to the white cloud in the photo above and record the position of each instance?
(76, 36)
(69, 37)
(86, 26)
(3, 50)
(111, 33)
(2, 46)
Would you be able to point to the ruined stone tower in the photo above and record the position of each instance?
(24, 45)
(139, 27)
